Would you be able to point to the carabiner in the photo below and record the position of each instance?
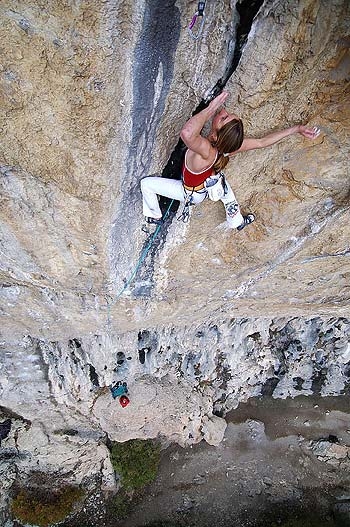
(199, 13)
(201, 6)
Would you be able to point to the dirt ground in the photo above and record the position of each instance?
(262, 474)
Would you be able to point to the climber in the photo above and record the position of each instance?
(119, 388)
(205, 158)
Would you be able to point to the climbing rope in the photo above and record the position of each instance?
(198, 13)
(138, 265)
(198, 25)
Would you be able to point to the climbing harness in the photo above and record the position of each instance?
(138, 265)
(215, 188)
(193, 23)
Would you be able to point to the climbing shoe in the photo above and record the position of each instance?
(247, 220)
(155, 221)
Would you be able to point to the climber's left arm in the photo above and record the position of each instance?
(251, 144)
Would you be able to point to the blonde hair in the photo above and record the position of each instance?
(229, 139)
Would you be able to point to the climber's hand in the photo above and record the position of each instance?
(218, 101)
(309, 133)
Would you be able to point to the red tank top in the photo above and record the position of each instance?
(194, 179)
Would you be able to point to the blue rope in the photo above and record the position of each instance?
(138, 265)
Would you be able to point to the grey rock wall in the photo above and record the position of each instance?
(198, 369)
(181, 384)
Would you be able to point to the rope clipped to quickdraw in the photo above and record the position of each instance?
(197, 25)
(185, 214)
(138, 265)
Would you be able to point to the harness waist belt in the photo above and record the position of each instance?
(194, 189)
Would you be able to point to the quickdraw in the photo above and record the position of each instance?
(185, 214)
(198, 13)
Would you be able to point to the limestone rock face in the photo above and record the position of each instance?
(94, 99)
(164, 404)
(58, 399)
(90, 97)
(198, 318)
(295, 259)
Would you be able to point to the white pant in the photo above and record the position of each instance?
(173, 189)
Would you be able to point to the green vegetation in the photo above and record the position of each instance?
(136, 461)
(44, 507)
(120, 506)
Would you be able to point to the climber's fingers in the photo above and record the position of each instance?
(219, 100)
(309, 133)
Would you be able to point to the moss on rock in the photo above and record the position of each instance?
(136, 461)
(44, 507)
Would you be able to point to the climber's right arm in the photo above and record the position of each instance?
(191, 131)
